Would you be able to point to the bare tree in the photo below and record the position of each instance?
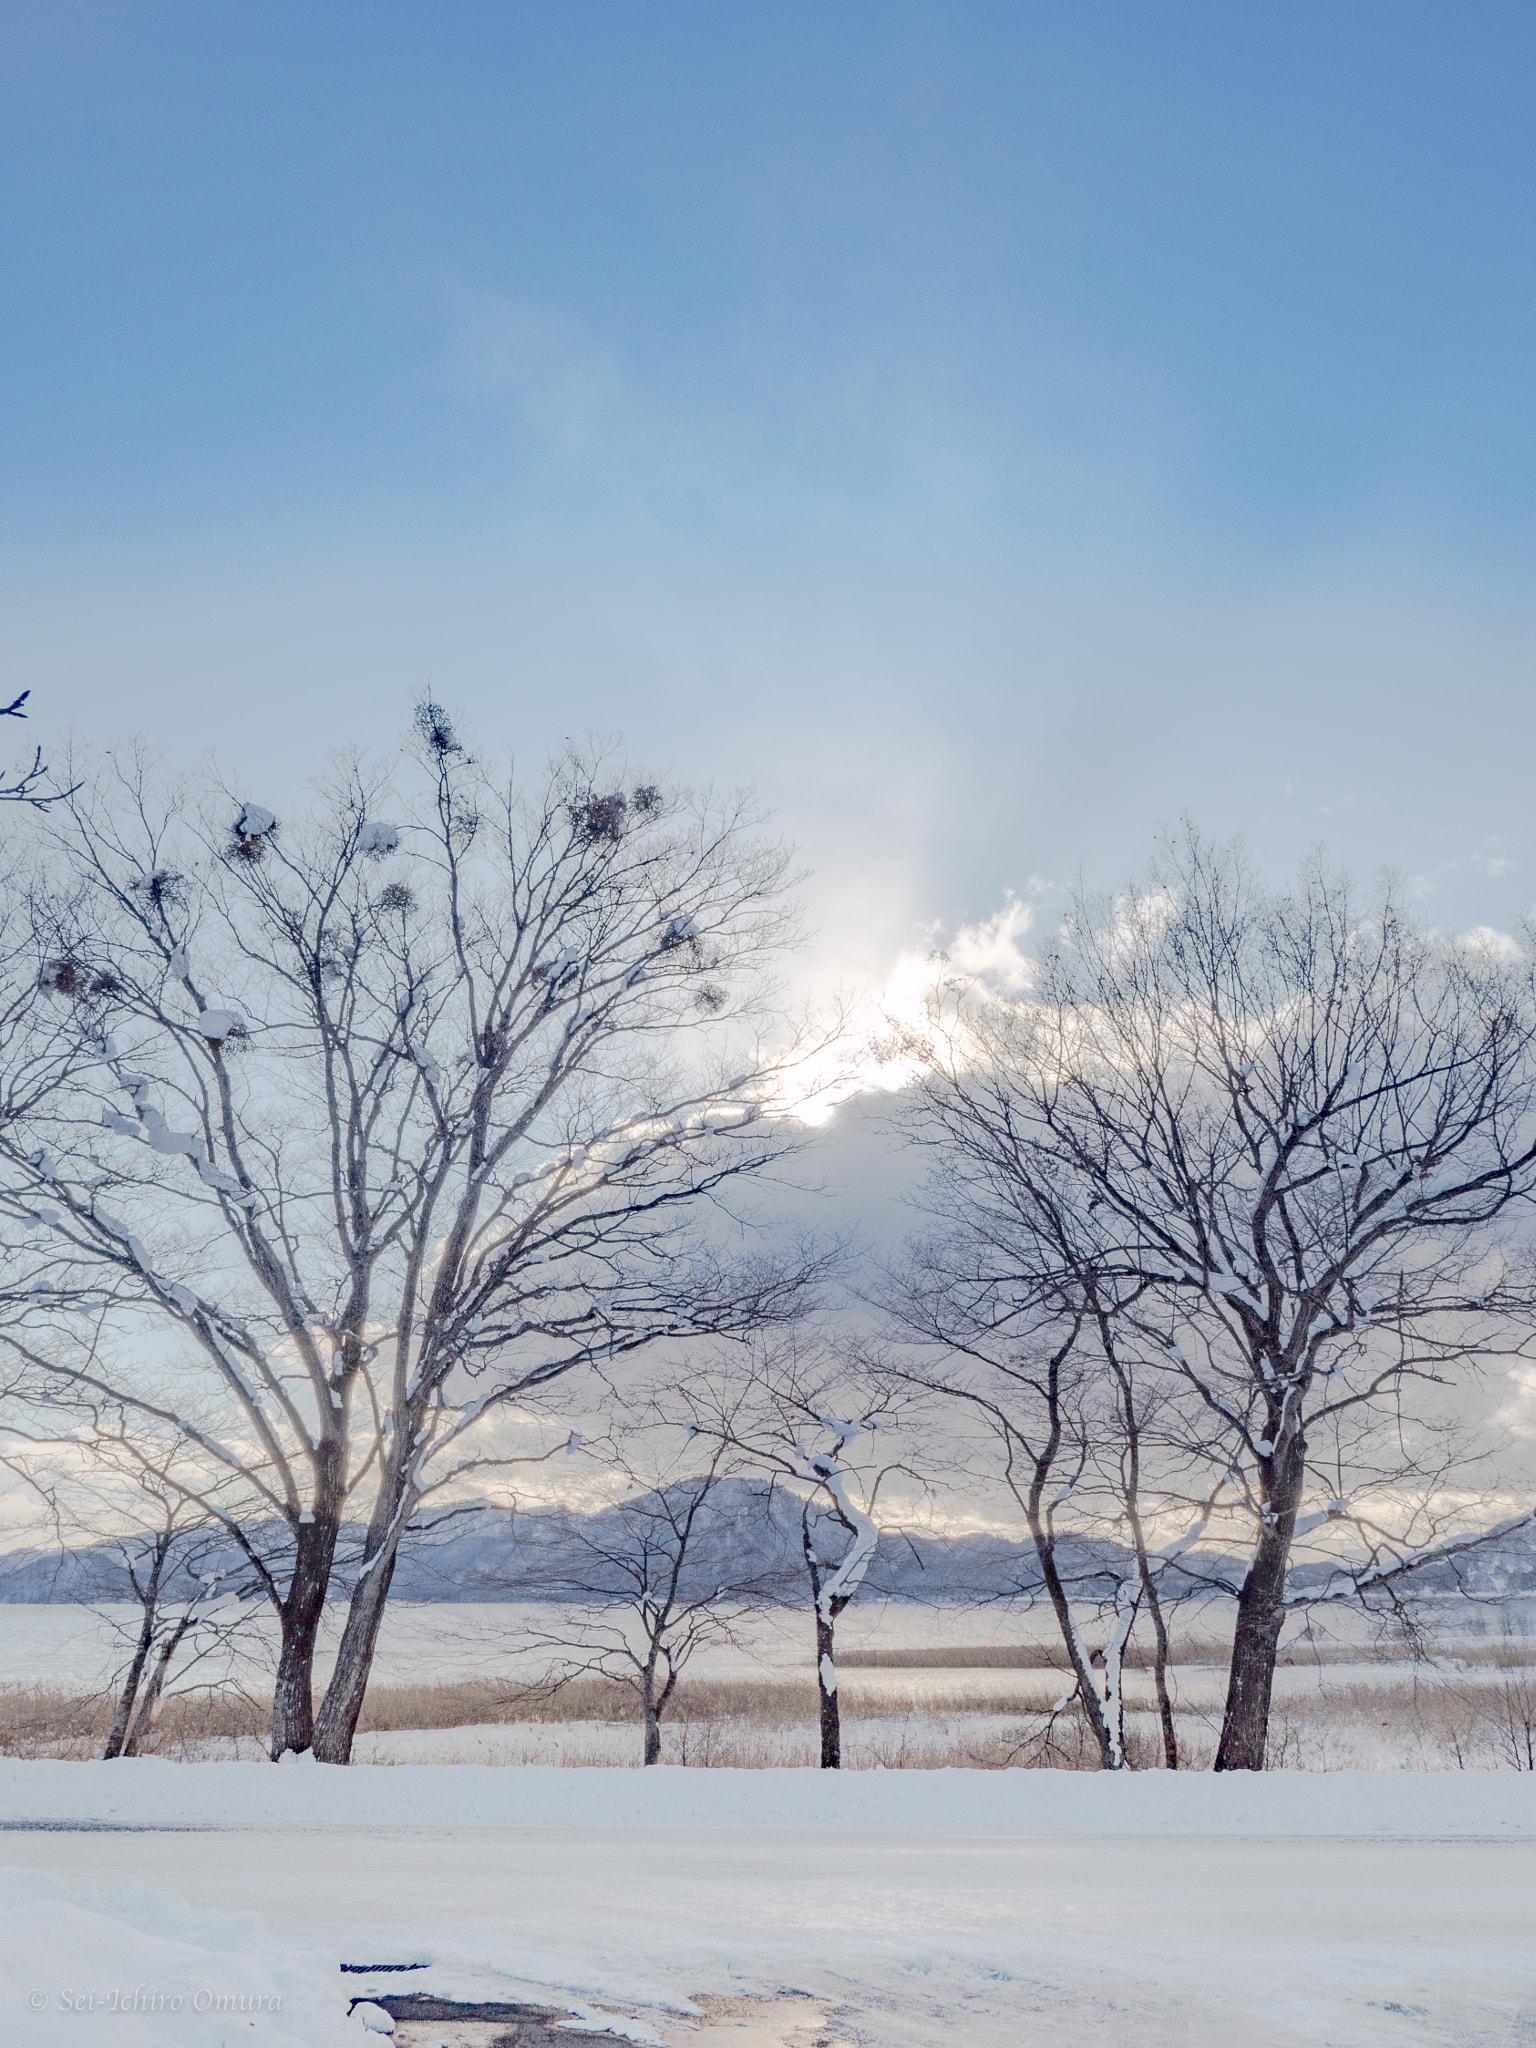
(1028, 1393)
(26, 786)
(680, 1562)
(194, 1605)
(1509, 1713)
(119, 1502)
(1287, 1136)
(1137, 1425)
(395, 1116)
(817, 1423)
(1048, 1403)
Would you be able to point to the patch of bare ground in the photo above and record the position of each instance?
(791, 2020)
(522, 2032)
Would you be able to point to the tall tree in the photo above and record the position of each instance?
(1287, 1140)
(396, 1114)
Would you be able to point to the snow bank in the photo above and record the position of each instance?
(150, 1968)
(150, 1793)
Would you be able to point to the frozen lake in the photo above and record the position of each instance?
(438, 1642)
(77, 1648)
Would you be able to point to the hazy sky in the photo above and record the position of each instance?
(990, 429)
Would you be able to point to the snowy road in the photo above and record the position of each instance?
(921, 1940)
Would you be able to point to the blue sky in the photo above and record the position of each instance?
(991, 430)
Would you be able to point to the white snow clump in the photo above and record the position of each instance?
(254, 821)
(218, 1025)
(150, 1969)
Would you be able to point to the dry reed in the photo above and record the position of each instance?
(1426, 1717)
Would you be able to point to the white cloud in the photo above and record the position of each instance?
(992, 952)
(1487, 939)
(1517, 1414)
(990, 956)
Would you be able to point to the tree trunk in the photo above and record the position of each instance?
(336, 1723)
(654, 1703)
(149, 1599)
(124, 1713)
(293, 1701)
(1160, 1663)
(826, 1613)
(1087, 1691)
(1164, 1700)
(1260, 1618)
(826, 1687)
(1132, 1471)
(149, 1706)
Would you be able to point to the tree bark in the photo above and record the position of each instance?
(1131, 1469)
(1160, 1633)
(293, 1708)
(124, 1712)
(652, 1731)
(149, 1706)
(1160, 1679)
(149, 1600)
(654, 1703)
(1087, 1691)
(336, 1723)
(831, 1721)
(1260, 1618)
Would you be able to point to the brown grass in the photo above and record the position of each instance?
(1191, 1652)
(771, 1703)
(1020, 1657)
(1432, 1720)
(1510, 1656)
(35, 1721)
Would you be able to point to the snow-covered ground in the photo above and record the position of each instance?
(151, 1793)
(1359, 1906)
(124, 1962)
(911, 1740)
(980, 1909)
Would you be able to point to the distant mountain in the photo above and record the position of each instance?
(484, 1554)
(491, 1556)
(750, 1535)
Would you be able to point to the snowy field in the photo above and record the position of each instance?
(1349, 1905)
(913, 1909)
